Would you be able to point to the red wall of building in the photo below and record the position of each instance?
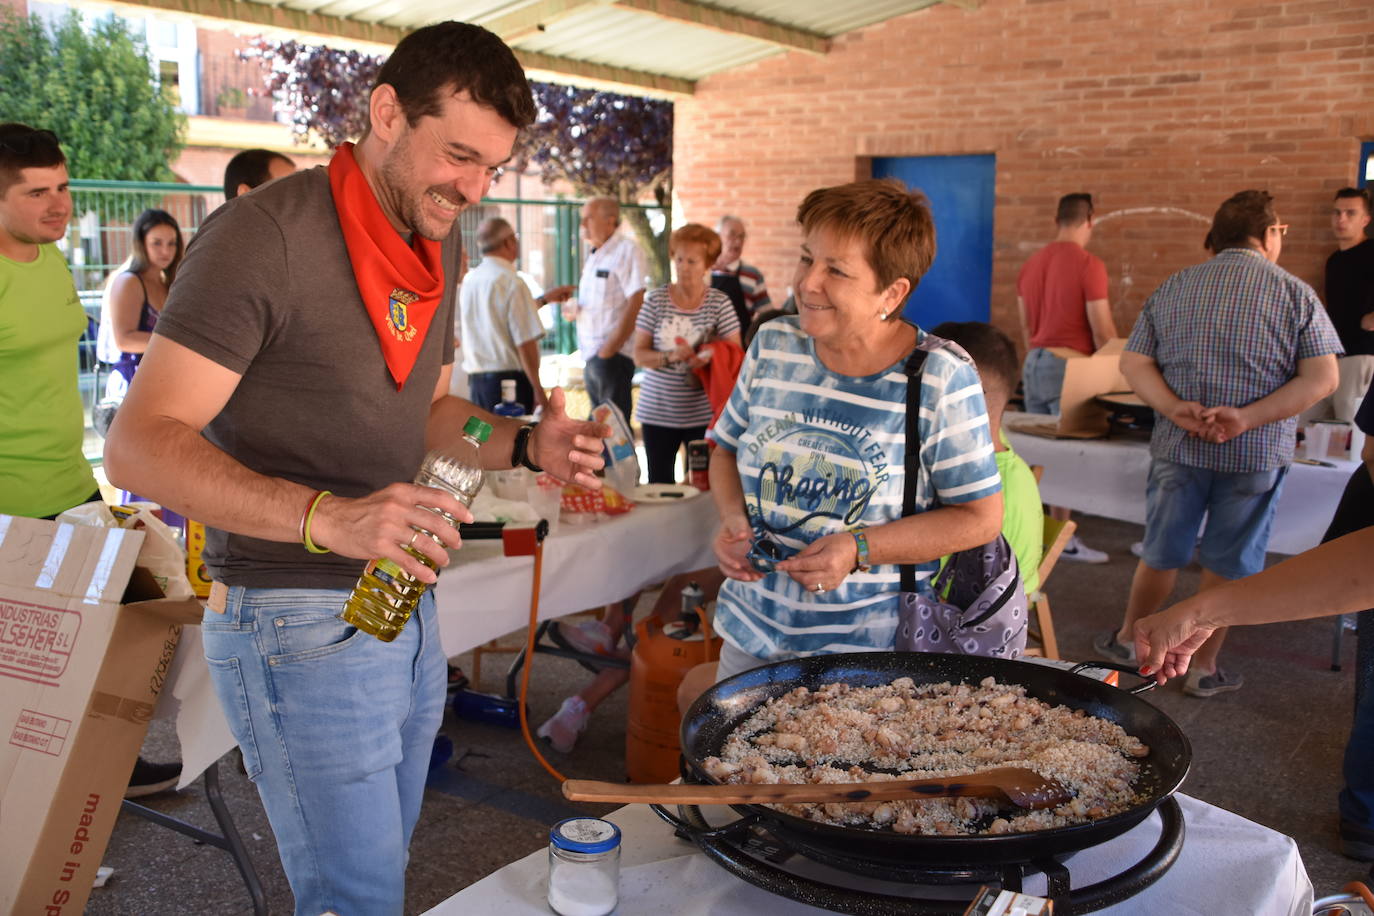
(1160, 109)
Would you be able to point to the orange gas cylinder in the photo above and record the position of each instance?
(664, 653)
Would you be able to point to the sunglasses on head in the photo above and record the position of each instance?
(23, 144)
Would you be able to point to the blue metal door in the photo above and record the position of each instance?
(959, 284)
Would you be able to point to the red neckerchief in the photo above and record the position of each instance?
(400, 284)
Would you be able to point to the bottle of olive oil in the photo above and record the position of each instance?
(387, 595)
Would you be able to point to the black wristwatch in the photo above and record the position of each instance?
(520, 454)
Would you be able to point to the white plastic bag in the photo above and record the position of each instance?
(162, 554)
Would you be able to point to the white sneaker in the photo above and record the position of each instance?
(564, 727)
(1077, 550)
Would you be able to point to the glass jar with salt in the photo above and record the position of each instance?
(584, 866)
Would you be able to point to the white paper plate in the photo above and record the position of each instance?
(664, 492)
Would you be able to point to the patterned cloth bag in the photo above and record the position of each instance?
(979, 605)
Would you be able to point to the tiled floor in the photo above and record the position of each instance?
(1270, 752)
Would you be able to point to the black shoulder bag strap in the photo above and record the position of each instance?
(911, 451)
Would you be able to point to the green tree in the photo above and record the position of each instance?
(93, 86)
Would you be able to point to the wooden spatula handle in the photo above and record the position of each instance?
(590, 790)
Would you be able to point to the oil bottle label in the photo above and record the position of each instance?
(390, 573)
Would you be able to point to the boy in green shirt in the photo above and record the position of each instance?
(1023, 516)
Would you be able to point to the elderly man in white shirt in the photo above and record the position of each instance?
(609, 296)
(499, 321)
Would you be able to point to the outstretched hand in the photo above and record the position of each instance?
(568, 449)
(1165, 642)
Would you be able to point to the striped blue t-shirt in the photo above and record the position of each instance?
(820, 452)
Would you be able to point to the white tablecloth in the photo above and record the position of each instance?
(485, 594)
(1228, 865)
(1107, 477)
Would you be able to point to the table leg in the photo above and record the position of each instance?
(228, 840)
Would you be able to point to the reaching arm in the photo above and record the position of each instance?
(125, 310)
(557, 294)
(1100, 321)
(568, 449)
(624, 328)
(1335, 578)
(155, 448)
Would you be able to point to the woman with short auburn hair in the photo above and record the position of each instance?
(809, 468)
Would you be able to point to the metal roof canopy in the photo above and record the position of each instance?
(643, 47)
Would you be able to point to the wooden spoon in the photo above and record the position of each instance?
(1022, 787)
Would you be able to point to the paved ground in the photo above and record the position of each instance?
(1270, 752)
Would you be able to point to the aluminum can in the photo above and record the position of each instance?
(699, 463)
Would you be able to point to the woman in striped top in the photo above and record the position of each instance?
(673, 323)
(810, 463)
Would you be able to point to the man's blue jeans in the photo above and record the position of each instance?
(336, 729)
(1042, 375)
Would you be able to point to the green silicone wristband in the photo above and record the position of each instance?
(310, 517)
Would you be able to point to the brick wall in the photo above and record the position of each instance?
(1160, 109)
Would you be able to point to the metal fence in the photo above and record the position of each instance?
(100, 240)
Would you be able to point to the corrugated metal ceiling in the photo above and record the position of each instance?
(659, 47)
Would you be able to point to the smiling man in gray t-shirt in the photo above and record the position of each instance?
(298, 374)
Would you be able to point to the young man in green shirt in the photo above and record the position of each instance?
(42, 469)
(1023, 516)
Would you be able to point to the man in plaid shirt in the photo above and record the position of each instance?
(1228, 353)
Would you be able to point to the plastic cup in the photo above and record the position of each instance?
(546, 501)
(1317, 440)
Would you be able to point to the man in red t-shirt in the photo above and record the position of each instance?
(1061, 294)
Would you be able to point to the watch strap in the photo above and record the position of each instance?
(520, 454)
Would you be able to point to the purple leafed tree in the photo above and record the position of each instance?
(321, 89)
(603, 143)
(600, 143)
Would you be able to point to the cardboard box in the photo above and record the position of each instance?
(86, 638)
(1085, 377)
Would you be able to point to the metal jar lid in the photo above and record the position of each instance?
(585, 835)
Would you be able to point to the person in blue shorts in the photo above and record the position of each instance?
(1228, 353)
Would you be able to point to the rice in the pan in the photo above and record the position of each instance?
(840, 733)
